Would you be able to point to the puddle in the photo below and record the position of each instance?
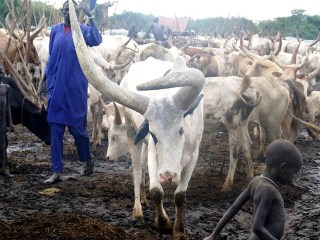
(22, 147)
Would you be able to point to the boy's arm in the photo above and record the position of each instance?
(231, 212)
(261, 214)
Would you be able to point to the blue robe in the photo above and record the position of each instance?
(66, 84)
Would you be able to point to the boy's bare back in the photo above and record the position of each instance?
(268, 207)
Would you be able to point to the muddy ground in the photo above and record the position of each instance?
(100, 206)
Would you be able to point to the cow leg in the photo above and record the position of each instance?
(144, 161)
(234, 154)
(262, 138)
(162, 221)
(180, 194)
(135, 151)
(246, 148)
(178, 227)
(137, 181)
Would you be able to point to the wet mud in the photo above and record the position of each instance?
(100, 206)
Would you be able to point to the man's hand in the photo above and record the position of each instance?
(111, 2)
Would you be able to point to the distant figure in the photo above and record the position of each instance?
(283, 160)
(133, 32)
(157, 30)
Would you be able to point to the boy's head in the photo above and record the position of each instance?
(283, 157)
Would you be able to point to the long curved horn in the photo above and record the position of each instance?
(92, 72)
(294, 55)
(315, 41)
(117, 117)
(246, 81)
(305, 61)
(190, 79)
(40, 26)
(122, 47)
(279, 46)
(120, 66)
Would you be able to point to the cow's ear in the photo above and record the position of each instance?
(193, 105)
(142, 132)
(276, 74)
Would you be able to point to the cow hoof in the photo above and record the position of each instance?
(164, 225)
(180, 236)
(137, 215)
(226, 188)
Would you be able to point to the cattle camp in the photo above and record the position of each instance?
(198, 127)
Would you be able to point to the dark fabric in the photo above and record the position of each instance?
(81, 139)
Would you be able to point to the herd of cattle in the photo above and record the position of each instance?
(165, 102)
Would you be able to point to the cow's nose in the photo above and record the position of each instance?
(109, 159)
(168, 177)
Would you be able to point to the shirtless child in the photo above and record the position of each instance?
(283, 160)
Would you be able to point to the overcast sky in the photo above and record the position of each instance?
(198, 9)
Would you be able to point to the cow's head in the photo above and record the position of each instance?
(168, 123)
(117, 136)
(37, 124)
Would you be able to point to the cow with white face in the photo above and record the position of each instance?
(175, 135)
(117, 135)
(173, 115)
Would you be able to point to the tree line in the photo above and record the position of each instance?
(298, 24)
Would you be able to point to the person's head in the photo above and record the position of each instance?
(156, 20)
(283, 159)
(65, 11)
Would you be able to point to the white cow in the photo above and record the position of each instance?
(173, 143)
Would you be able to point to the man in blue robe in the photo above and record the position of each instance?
(67, 91)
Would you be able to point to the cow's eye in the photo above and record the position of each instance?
(114, 137)
(181, 131)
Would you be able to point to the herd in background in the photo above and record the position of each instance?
(240, 80)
